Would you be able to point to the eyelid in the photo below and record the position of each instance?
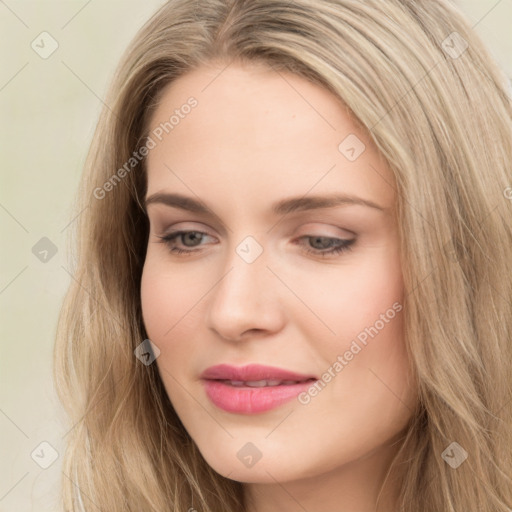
(310, 230)
(163, 220)
(185, 226)
(303, 231)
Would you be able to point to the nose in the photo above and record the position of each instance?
(246, 300)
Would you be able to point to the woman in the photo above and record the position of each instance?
(292, 287)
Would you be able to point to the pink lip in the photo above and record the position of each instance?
(252, 400)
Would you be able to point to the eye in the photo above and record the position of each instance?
(333, 245)
(188, 238)
(193, 239)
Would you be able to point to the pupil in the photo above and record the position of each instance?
(192, 235)
(324, 245)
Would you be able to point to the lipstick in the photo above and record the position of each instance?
(253, 388)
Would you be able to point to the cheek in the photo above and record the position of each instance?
(348, 299)
(362, 307)
(167, 298)
(377, 370)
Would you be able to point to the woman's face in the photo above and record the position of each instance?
(291, 261)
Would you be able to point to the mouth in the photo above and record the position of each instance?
(252, 389)
(262, 383)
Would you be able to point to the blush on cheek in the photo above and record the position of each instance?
(169, 311)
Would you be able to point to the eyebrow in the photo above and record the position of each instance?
(283, 207)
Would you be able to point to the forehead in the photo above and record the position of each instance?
(256, 130)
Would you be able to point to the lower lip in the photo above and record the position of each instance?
(247, 400)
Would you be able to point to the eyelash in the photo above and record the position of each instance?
(343, 245)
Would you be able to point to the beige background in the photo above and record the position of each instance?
(49, 108)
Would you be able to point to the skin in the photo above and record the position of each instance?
(256, 137)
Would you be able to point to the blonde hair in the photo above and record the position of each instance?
(439, 114)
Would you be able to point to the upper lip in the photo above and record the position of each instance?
(252, 372)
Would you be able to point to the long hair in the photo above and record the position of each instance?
(419, 80)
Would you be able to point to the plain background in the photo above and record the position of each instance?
(49, 108)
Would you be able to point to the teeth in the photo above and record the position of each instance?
(256, 383)
(236, 383)
(259, 383)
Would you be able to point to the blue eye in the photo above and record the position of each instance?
(193, 239)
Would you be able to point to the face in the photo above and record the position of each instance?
(273, 241)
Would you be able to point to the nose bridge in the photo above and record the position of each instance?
(242, 285)
(243, 298)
